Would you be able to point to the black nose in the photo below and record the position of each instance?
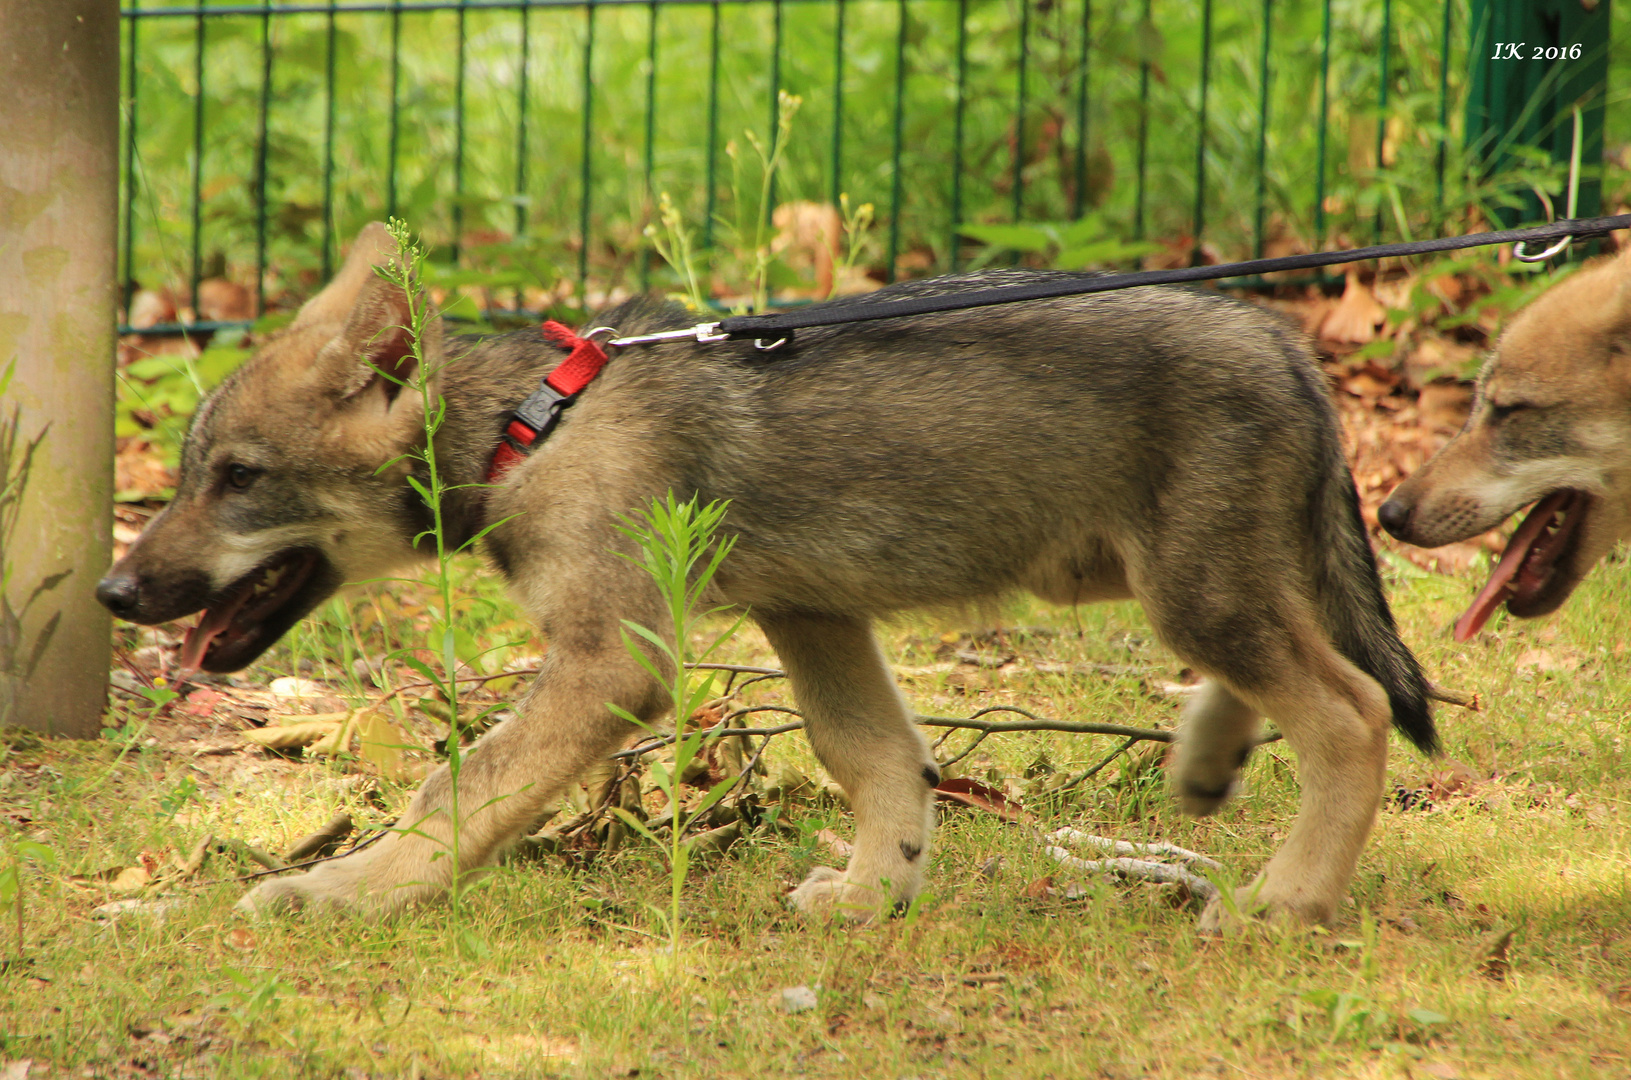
(1394, 516)
(119, 594)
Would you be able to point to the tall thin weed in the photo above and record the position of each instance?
(680, 549)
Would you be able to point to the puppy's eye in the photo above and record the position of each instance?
(241, 476)
(1503, 412)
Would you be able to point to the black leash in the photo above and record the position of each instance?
(780, 325)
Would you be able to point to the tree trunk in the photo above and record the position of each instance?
(59, 185)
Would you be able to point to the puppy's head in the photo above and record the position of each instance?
(1550, 426)
(292, 474)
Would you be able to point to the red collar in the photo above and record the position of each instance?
(534, 417)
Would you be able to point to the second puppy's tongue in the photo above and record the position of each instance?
(1499, 586)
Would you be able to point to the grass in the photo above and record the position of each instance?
(992, 977)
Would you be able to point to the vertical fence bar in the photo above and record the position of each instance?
(1199, 225)
(953, 241)
(521, 123)
(1381, 103)
(1080, 199)
(128, 280)
(1443, 112)
(1019, 109)
(396, 108)
(710, 179)
(1324, 123)
(651, 135)
(265, 106)
(895, 149)
(1142, 152)
(458, 140)
(587, 173)
(838, 103)
(775, 93)
(197, 269)
(328, 149)
(1262, 130)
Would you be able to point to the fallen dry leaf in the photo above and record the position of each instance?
(836, 844)
(1040, 889)
(202, 702)
(1495, 964)
(980, 796)
(131, 879)
(381, 743)
(1356, 316)
(1371, 380)
(292, 736)
(240, 939)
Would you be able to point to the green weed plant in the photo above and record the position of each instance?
(679, 547)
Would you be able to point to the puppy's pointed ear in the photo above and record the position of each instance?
(374, 349)
(373, 247)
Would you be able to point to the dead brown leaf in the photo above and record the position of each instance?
(1496, 963)
(972, 793)
(1357, 315)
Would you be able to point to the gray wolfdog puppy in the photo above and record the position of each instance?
(1550, 425)
(1161, 444)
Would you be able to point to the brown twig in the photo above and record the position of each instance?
(1435, 692)
(1095, 770)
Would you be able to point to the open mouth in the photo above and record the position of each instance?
(254, 611)
(1534, 575)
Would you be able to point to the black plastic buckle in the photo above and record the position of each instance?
(541, 411)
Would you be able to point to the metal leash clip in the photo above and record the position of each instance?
(1558, 248)
(704, 333)
(1563, 243)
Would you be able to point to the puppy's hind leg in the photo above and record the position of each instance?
(1216, 739)
(861, 730)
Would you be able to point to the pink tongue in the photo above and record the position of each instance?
(1498, 588)
(211, 625)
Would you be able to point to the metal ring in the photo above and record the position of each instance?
(589, 335)
(759, 343)
(1561, 246)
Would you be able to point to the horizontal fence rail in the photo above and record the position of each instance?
(530, 140)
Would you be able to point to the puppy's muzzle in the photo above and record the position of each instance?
(119, 593)
(1395, 517)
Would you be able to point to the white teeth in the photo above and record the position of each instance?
(268, 582)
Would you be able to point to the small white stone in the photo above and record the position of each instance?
(797, 999)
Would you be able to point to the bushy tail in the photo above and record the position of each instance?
(1356, 612)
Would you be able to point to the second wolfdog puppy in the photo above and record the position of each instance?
(1166, 445)
(1550, 425)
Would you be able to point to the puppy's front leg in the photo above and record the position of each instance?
(862, 732)
(507, 778)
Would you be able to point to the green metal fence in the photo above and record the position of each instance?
(528, 139)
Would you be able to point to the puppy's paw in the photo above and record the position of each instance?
(1203, 796)
(334, 887)
(828, 894)
(314, 891)
(1203, 782)
(1251, 909)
